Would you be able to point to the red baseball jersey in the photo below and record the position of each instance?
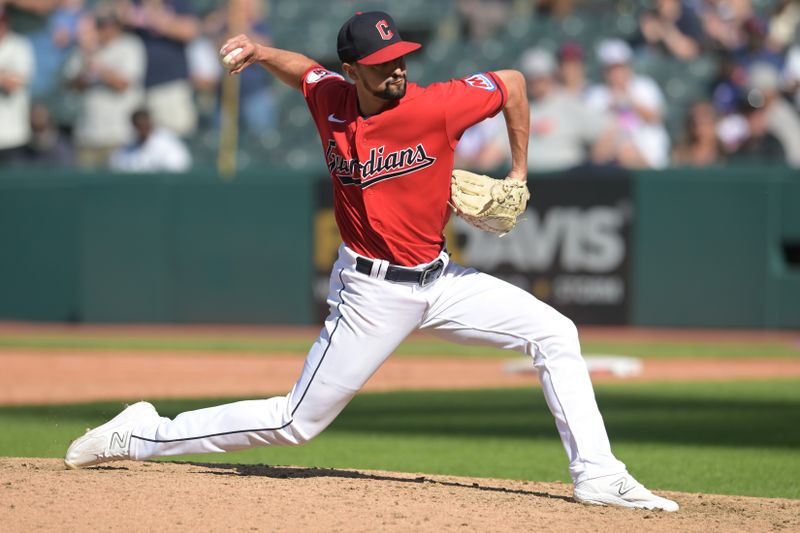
(391, 171)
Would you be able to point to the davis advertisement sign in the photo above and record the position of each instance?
(571, 249)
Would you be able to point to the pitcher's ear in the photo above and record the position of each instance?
(350, 70)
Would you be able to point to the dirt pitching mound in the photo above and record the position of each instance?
(40, 494)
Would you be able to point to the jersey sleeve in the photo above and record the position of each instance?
(471, 100)
(320, 86)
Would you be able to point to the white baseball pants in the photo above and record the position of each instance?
(369, 318)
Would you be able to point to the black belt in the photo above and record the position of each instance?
(423, 276)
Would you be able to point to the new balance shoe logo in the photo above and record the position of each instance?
(118, 440)
(622, 486)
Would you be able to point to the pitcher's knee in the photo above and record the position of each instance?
(295, 436)
(299, 432)
(560, 340)
(565, 329)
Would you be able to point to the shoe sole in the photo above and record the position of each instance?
(129, 412)
(607, 499)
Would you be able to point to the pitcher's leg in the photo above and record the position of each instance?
(293, 419)
(569, 394)
(357, 338)
(478, 309)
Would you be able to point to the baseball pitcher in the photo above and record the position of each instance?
(388, 144)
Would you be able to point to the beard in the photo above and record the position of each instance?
(393, 92)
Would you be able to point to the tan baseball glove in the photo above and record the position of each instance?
(487, 203)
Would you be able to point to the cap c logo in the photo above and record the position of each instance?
(383, 30)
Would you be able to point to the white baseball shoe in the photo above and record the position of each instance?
(112, 440)
(620, 490)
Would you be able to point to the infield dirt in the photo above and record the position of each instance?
(40, 494)
(64, 375)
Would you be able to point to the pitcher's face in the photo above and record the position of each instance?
(384, 80)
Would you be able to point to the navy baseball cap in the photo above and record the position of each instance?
(371, 38)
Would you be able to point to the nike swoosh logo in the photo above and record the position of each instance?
(333, 118)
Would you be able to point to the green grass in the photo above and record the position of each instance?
(690, 350)
(413, 347)
(730, 438)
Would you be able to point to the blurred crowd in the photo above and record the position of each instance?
(118, 84)
(750, 113)
(126, 84)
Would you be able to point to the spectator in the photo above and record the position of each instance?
(52, 44)
(478, 150)
(37, 7)
(637, 137)
(166, 27)
(782, 119)
(791, 73)
(257, 109)
(554, 8)
(572, 69)
(732, 130)
(723, 22)
(481, 19)
(760, 146)
(17, 65)
(699, 145)
(205, 73)
(671, 29)
(64, 22)
(784, 23)
(156, 149)
(731, 84)
(757, 48)
(728, 87)
(563, 129)
(205, 70)
(107, 70)
(48, 145)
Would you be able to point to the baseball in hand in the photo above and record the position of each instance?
(229, 60)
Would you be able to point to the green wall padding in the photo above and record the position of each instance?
(110, 248)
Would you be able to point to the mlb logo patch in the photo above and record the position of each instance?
(481, 81)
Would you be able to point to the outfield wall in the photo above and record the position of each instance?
(711, 248)
(718, 248)
(103, 248)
